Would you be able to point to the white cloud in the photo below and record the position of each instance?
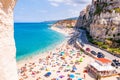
(57, 1)
(54, 4)
(69, 2)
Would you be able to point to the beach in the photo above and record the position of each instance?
(62, 63)
(60, 66)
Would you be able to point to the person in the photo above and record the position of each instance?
(84, 76)
(74, 68)
(69, 79)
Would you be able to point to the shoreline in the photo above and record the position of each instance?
(33, 58)
(38, 52)
(45, 53)
(64, 31)
(35, 67)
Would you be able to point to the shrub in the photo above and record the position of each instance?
(117, 10)
(104, 46)
(69, 26)
(105, 4)
(99, 43)
(98, 10)
(115, 50)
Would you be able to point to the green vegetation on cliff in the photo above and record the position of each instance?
(117, 10)
(104, 45)
(99, 8)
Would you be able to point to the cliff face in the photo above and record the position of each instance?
(102, 19)
(8, 69)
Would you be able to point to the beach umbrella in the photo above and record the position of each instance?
(55, 79)
(72, 76)
(81, 52)
(58, 71)
(77, 73)
(68, 67)
(74, 68)
(81, 59)
(85, 71)
(61, 76)
(62, 53)
(47, 74)
(69, 79)
(71, 52)
(64, 56)
(79, 79)
(47, 69)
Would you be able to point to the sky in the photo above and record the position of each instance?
(45, 10)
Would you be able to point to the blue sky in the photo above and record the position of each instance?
(44, 10)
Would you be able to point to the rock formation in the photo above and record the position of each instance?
(102, 20)
(8, 69)
(65, 23)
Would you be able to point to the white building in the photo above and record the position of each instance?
(102, 67)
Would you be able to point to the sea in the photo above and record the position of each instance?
(35, 38)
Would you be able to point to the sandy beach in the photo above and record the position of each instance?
(65, 31)
(62, 63)
(36, 67)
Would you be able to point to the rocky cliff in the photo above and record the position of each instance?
(65, 23)
(8, 69)
(102, 20)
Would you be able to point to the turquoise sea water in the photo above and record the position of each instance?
(34, 38)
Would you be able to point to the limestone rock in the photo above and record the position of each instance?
(101, 19)
(8, 69)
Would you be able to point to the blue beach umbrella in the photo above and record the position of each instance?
(57, 78)
(62, 53)
(79, 79)
(72, 76)
(47, 74)
(74, 68)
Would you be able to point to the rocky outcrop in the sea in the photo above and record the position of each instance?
(8, 69)
(102, 20)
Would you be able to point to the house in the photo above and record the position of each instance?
(101, 67)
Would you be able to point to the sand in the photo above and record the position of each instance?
(58, 64)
